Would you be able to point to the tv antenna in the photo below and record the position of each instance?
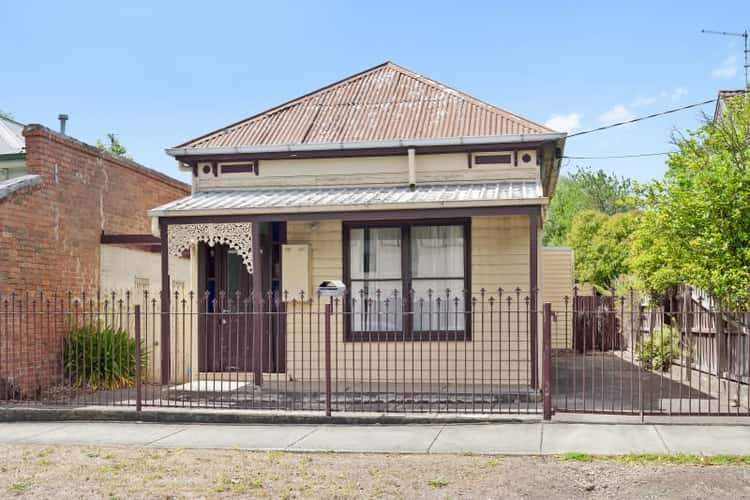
(747, 52)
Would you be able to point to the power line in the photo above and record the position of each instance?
(611, 157)
(640, 119)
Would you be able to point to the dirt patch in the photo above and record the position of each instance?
(76, 472)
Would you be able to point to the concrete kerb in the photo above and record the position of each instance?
(207, 416)
(223, 416)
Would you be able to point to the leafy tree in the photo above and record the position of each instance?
(585, 189)
(696, 224)
(114, 146)
(601, 246)
(566, 203)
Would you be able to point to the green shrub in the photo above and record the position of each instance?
(658, 350)
(101, 358)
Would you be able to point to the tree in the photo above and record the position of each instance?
(696, 224)
(585, 189)
(601, 245)
(114, 147)
(566, 203)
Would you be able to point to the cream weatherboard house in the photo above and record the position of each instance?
(424, 201)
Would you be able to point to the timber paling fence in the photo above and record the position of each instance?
(493, 352)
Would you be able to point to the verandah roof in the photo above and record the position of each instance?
(352, 198)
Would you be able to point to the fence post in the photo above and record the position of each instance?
(138, 384)
(328, 313)
(547, 361)
(257, 353)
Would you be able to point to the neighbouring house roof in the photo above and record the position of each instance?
(11, 137)
(384, 103)
(721, 101)
(350, 198)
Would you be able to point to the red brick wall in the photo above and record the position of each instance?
(49, 235)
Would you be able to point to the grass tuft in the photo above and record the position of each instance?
(436, 484)
(234, 485)
(577, 456)
(659, 459)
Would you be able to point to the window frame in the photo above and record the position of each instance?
(407, 332)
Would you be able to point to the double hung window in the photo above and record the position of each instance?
(407, 280)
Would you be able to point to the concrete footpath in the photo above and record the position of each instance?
(480, 438)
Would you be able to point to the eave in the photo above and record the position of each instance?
(368, 148)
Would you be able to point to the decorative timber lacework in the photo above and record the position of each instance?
(237, 235)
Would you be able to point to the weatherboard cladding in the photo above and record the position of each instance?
(352, 196)
(386, 102)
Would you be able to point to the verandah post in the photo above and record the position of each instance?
(165, 309)
(257, 293)
(547, 361)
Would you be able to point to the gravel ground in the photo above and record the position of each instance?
(89, 472)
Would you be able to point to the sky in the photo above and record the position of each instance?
(157, 74)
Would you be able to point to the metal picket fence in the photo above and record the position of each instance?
(439, 352)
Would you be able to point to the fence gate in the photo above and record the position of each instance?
(620, 355)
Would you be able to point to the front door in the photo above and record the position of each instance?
(226, 307)
(225, 340)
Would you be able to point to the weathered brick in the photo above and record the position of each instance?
(49, 236)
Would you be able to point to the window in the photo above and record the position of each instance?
(437, 265)
(407, 280)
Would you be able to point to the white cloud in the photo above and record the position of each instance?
(643, 101)
(564, 123)
(726, 70)
(617, 113)
(679, 93)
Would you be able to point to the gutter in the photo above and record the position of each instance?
(12, 156)
(346, 146)
(331, 211)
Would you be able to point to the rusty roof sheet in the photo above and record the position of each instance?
(386, 102)
(342, 198)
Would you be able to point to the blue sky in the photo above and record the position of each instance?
(159, 73)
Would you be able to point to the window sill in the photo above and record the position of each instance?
(398, 336)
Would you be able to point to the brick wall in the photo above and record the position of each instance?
(49, 234)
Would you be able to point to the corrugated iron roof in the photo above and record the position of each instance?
(11, 137)
(386, 102)
(341, 198)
